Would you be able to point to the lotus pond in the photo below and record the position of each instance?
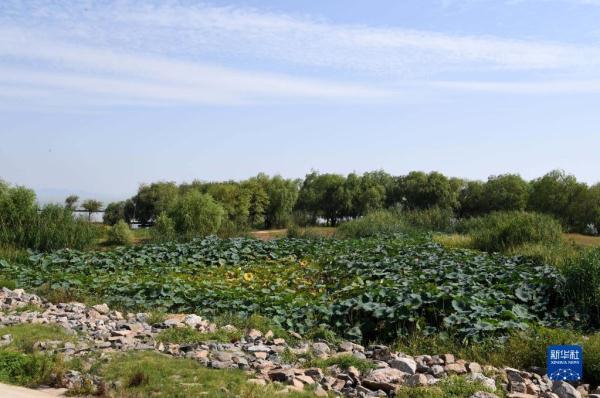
(362, 289)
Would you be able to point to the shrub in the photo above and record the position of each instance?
(432, 219)
(24, 225)
(582, 275)
(164, 229)
(120, 234)
(375, 223)
(500, 231)
(196, 215)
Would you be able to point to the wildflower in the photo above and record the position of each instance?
(248, 276)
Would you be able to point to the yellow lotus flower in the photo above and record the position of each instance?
(248, 276)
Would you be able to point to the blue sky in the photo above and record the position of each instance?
(97, 97)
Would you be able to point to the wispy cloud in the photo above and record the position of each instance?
(175, 53)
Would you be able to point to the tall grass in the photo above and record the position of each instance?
(501, 231)
(375, 223)
(23, 225)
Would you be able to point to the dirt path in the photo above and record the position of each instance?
(7, 391)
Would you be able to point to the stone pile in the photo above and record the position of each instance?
(100, 329)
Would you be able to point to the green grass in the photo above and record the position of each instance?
(27, 308)
(21, 363)
(144, 374)
(452, 387)
(191, 336)
(521, 350)
(26, 335)
(257, 322)
(344, 361)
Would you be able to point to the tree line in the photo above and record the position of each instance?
(274, 202)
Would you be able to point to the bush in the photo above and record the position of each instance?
(500, 231)
(164, 229)
(375, 223)
(432, 219)
(120, 234)
(196, 215)
(24, 225)
(582, 275)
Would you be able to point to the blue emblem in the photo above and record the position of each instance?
(565, 362)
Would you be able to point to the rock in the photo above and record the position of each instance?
(354, 373)
(514, 375)
(279, 341)
(447, 358)
(455, 368)
(315, 373)
(281, 375)
(321, 350)
(346, 346)
(229, 328)
(259, 348)
(565, 390)
(474, 367)
(254, 334)
(485, 381)
(381, 353)
(193, 320)
(416, 380)
(222, 356)
(519, 395)
(406, 365)
(384, 379)
(102, 308)
(483, 394)
(438, 371)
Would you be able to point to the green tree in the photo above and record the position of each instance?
(506, 192)
(418, 190)
(558, 193)
(115, 211)
(472, 199)
(283, 194)
(235, 202)
(91, 206)
(71, 202)
(196, 215)
(153, 199)
(325, 195)
(257, 188)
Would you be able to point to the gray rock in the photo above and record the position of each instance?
(321, 350)
(406, 365)
(565, 390)
(102, 308)
(386, 379)
(483, 394)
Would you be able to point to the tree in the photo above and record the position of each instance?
(258, 197)
(325, 195)
(153, 199)
(71, 202)
(196, 215)
(506, 192)
(283, 194)
(235, 201)
(418, 190)
(116, 211)
(91, 206)
(472, 199)
(557, 193)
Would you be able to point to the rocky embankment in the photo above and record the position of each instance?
(100, 330)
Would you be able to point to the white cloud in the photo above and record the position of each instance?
(135, 53)
(539, 87)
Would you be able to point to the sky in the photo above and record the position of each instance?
(97, 97)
